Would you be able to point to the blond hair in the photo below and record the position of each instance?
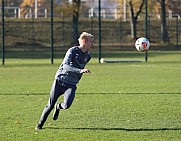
(85, 36)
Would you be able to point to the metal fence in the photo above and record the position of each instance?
(30, 37)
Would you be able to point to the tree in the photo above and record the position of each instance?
(134, 18)
(164, 29)
(69, 8)
(76, 8)
(28, 5)
(175, 6)
(12, 4)
(9, 3)
(135, 9)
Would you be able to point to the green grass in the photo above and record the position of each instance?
(117, 101)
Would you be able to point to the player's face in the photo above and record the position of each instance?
(89, 43)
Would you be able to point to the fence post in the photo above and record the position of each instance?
(99, 30)
(177, 30)
(146, 20)
(51, 32)
(3, 60)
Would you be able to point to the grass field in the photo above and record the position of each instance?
(116, 102)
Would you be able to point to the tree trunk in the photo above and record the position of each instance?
(134, 18)
(164, 32)
(75, 34)
(75, 29)
(134, 28)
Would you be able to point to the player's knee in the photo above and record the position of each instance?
(50, 107)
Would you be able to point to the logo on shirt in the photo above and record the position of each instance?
(76, 55)
(85, 59)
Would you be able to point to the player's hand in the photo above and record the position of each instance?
(85, 71)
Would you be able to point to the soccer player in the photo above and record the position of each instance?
(67, 76)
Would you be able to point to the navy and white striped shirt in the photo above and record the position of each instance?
(74, 60)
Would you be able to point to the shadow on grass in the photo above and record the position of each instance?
(120, 129)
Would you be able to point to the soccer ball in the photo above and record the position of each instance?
(142, 44)
(102, 60)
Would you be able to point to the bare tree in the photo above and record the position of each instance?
(164, 32)
(69, 8)
(134, 18)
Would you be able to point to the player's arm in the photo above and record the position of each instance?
(74, 69)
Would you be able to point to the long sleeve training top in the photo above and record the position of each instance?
(70, 69)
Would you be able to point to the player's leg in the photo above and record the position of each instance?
(69, 96)
(54, 94)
